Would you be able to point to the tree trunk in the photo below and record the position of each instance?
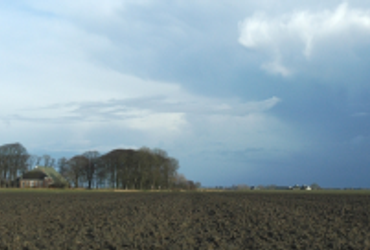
(76, 183)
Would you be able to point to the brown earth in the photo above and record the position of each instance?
(45, 220)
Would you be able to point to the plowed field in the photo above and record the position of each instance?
(34, 220)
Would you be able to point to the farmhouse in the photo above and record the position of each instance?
(42, 177)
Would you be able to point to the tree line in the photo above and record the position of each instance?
(144, 168)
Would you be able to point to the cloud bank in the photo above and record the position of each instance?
(293, 37)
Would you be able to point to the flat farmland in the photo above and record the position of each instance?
(199, 220)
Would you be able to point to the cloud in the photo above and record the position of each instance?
(167, 112)
(53, 85)
(293, 37)
(86, 104)
(226, 125)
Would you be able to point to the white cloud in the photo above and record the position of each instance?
(297, 34)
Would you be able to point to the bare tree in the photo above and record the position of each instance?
(120, 164)
(138, 169)
(173, 166)
(73, 170)
(101, 175)
(31, 161)
(109, 167)
(64, 169)
(144, 159)
(13, 161)
(47, 160)
(38, 160)
(52, 163)
(91, 168)
(158, 162)
(180, 181)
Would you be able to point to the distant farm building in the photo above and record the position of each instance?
(305, 187)
(42, 177)
(298, 187)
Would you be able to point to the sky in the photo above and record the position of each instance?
(240, 92)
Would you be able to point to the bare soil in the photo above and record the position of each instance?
(109, 220)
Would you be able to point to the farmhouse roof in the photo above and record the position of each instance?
(42, 172)
(34, 175)
(52, 173)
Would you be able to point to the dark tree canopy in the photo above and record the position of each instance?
(13, 162)
(144, 168)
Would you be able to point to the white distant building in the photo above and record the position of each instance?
(297, 187)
